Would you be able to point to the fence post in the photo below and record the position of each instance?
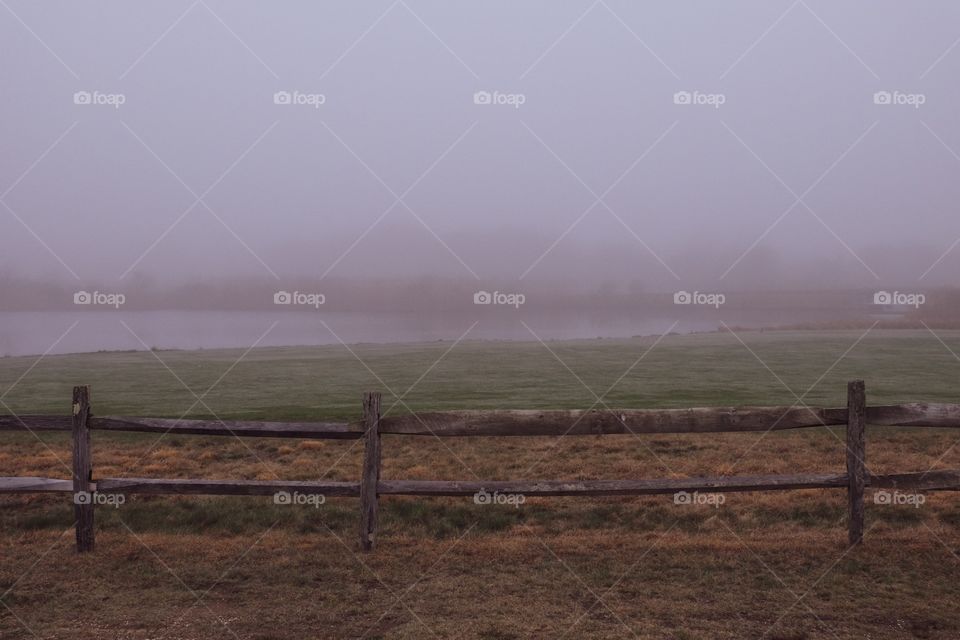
(82, 469)
(856, 456)
(371, 470)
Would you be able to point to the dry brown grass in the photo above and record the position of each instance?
(710, 583)
(598, 567)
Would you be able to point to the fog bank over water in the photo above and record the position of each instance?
(31, 332)
(397, 159)
(408, 255)
(403, 267)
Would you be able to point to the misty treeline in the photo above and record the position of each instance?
(941, 305)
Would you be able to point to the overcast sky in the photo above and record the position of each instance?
(595, 164)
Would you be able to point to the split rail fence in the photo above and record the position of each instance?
(854, 479)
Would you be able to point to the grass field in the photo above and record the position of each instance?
(759, 566)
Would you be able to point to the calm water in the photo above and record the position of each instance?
(26, 333)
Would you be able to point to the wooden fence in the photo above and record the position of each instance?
(855, 416)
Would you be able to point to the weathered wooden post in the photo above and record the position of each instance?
(371, 470)
(856, 457)
(82, 469)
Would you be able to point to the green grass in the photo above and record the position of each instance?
(327, 382)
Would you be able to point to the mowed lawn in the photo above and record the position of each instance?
(764, 565)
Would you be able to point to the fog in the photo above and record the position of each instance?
(398, 155)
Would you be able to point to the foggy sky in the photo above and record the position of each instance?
(702, 196)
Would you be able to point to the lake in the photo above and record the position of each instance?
(35, 332)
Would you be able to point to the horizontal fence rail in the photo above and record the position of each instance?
(855, 416)
(227, 487)
(299, 430)
(939, 480)
(523, 422)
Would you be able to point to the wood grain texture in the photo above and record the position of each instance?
(178, 486)
(24, 484)
(856, 459)
(939, 480)
(615, 487)
(625, 421)
(915, 414)
(370, 475)
(524, 422)
(300, 430)
(82, 470)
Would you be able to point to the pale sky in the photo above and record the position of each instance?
(788, 174)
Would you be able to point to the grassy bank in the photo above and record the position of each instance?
(592, 567)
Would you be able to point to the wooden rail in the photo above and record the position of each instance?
(940, 480)
(372, 426)
(156, 486)
(522, 422)
(299, 430)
